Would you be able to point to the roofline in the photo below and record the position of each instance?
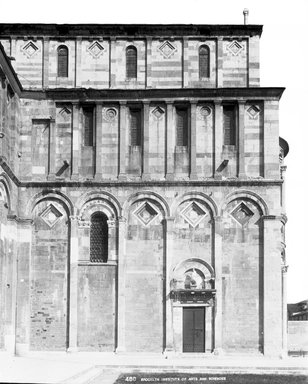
(181, 94)
(116, 30)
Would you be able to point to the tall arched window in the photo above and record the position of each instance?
(62, 61)
(99, 238)
(131, 62)
(204, 61)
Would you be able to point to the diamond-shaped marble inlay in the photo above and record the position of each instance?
(158, 112)
(253, 111)
(51, 215)
(30, 49)
(167, 49)
(65, 113)
(96, 49)
(146, 213)
(235, 47)
(242, 214)
(193, 213)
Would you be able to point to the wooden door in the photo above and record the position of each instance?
(193, 329)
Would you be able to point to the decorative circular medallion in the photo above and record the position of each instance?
(205, 111)
(110, 114)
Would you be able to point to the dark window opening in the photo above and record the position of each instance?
(135, 127)
(62, 61)
(88, 119)
(229, 125)
(204, 61)
(99, 238)
(131, 62)
(181, 127)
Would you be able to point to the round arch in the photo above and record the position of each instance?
(6, 185)
(106, 201)
(207, 200)
(245, 194)
(50, 195)
(146, 195)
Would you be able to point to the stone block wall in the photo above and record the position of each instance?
(242, 274)
(100, 63)
(58, 150)
(96, 308)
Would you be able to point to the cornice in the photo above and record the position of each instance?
(182, 94)
(74, 31)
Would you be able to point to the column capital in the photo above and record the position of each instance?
(122, 102)
(193, 101)
(217, 102)
(122, 220)
(74, 218)
(273, 218)
(241, 102)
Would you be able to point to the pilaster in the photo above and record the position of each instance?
(98, 141)
(219, 62)
(45, 62)
(148, 79)
(272, 285)
(75, 142)
(52, 150)
(218, 137)
(78, 44)
(112, 63)
(169, 224)
(122, 141)
(193, 140)
(241, 139)
(185, 62)
(121, 286)
(146, 141)
(73, 284)
(218, 286)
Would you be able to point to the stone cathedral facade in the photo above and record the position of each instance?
(141, 191)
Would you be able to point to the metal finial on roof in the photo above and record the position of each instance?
(246, 13)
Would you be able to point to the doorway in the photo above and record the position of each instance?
(194, 329)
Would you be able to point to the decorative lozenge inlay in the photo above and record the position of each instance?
(193, 213)
(167, 49)
(242, 214)
(158, 112)
(253, 111)
(95, 49)
(51, 215)
(235, 47)
(30, 49)
(146, 213)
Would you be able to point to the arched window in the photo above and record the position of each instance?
(62, 61)
(204, 61)
(131, 62)
(99, 238)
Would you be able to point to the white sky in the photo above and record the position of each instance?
(284, 63)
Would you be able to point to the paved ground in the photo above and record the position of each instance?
(100, 368)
